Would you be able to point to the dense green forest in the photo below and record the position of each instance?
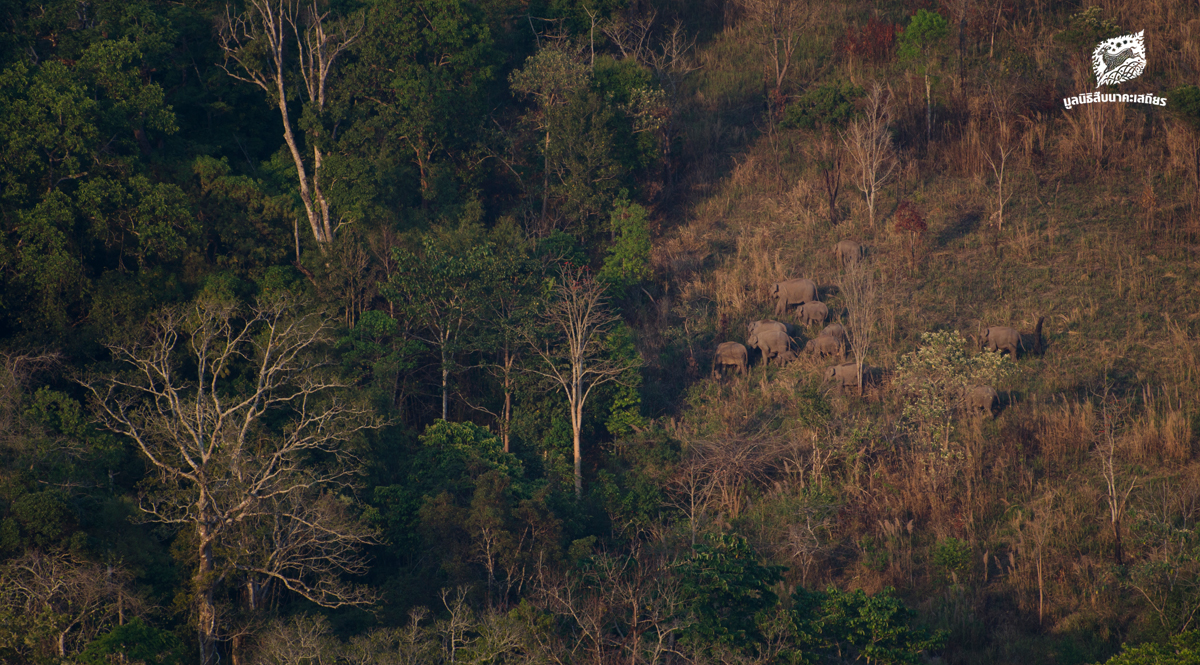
(419, 331)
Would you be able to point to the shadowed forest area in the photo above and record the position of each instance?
(595, 331)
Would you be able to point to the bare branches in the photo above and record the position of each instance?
(228, 404)
(255, 46)
(870, 145)
(778, 26)
(79, 598)
(862, 297)
(582, 321)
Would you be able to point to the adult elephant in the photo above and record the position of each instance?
(826, 345)
(772, 344)
(848, 252)
(731, 354)
(812, 312)
(793, 292)
(766, 324)
(844, 375)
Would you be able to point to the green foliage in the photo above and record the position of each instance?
(1088, 28)
(136, 642)
(729, 591)
(1183, 649)
(936, 378)
(1184, 103)
(828, 105)
(953, 557)
(923, 36)
(853, 626)
(628, 260)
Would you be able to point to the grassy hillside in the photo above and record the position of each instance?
(1009, 543)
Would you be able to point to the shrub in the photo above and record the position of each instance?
(829, 105)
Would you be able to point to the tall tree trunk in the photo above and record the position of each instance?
(445, 385)
(576, 427)
(546, 177)
(928, 108)
(1119, 554)
(506, 414)
(206, 611)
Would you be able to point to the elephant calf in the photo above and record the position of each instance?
(1001, 338)
(812, 312)
(846, 375)
(825, 345)
(982, 399)
(730, 354)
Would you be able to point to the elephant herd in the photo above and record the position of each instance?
(773, 340)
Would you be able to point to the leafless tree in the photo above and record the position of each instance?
(1004, 146)
(228, 405)
(79, 598)
(632, 590)
(870, 146)
(1113, 411)
(581, 319)
(861, 294)
(304, 640)
(256, 46)
(778, 26)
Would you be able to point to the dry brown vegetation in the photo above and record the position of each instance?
(1100, 234)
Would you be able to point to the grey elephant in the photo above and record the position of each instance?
(731, 354)
(845, 375)
(793, 292)
(982, 399)
(848, 252)
(826, 345)
(1001, 338)
(772, 344)
(812, 312)
(766, 324)
(836, 331)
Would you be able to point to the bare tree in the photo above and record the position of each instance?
(870, 146)
(860, 292)
(1113, 412)
(77, 599)
(256, 45)
(228, 405)
(580, 316)
(778, 26)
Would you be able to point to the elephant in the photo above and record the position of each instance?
(836, 331)
(826, 345)
(1001, 338)
(793, 292)
(982, 399)
(766, 324)
(772, 344)
(846, 375)
(731, 354)
(812, 312)
(849, 252)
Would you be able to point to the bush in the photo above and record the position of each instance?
(829, 105)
